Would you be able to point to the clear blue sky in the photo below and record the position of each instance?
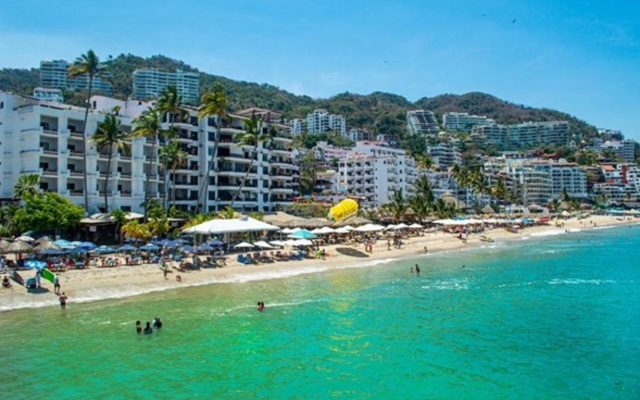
(581, 57)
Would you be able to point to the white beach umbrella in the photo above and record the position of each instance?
(348, 227)
(390, 226)
(317, 231)
(342, 230)
(263, 244)
(400, 226)
(325, 230)
(415, 226)
(278, 243)
(289, 230)
(243, 245)
(303, 242)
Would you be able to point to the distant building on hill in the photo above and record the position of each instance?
(463, 122)
(525, 134)
(53, 74)
(444, 155)
(319, 121)
(148, 83)
(421, 122)
(623, 148)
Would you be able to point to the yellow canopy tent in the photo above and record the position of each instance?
(344, 209)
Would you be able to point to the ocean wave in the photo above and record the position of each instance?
(577, 281)
(454, 284)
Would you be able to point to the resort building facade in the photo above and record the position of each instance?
(421, 122)
(526, 134)
(53, 74)
(47, 139)
(463, 122)
(149, 83)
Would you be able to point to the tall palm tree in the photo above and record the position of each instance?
(398, 206)
(170, 104)
(147, 125)
(27, 185)
(109, 136)
(423, 188)
(172, 157)
(420, 206)
(86, 65)
(214, 102)
(252, 136)
(120, 218)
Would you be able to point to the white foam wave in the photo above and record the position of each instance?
(576, 281)
(454, 284)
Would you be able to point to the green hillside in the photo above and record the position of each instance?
(376, 112)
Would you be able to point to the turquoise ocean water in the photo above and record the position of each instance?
(543, 318)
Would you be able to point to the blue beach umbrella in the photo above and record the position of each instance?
(127, 247)
(215, 242)
(149, 247)
(105, 250)
(87, 245)
(78, 250)
(35, 264)
(51, 252)
(205, 247)
(302, 234)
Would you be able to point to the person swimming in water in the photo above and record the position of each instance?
(138, 327)
(260, 306)
(157, 323)
(147, 329)
(417, 269)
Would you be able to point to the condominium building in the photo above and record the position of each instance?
(149, 83)
(540, 181)
(444, 155)
(374, 171)
(463, 122)
(48, 139)
(358, 135)
(421, 122)
(625, 149)
(320, 121)
(526, 134)
(53, 74)
(48, 94)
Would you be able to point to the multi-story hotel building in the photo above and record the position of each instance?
(526, 134)
(444, 155)
(53, 74)
(320, 121)
(421, 122)
(540, 181)
(149, 83)
(373, 172)
(47, 139)
(463, 122)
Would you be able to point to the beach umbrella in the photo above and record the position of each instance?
(126, 248)
(215, 242)
(25, 238)
(51, 252)
(35, 264)
(46, 245)
(278, 243)
(263, 245)
(342, 230)
(43, 240)
(243, 245)
(149, 247)
(173, 243)
(290, 230)
(302, 234)
(188, 249)
(4, 244)
(87, 245)
(415, 226)
(78, 250)
(205, 247)
(303, 242)
(105, 250)
(18, 247)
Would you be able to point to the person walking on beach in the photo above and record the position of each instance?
(56, 285)
(63, 300)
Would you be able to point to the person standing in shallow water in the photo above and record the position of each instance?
(63, 300)
(138, 327)
(417, 269)
(147, 329)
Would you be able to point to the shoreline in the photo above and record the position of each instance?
(105, 283)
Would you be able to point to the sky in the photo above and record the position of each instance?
(581, 57)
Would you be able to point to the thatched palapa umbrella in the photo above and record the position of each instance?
(19, 247)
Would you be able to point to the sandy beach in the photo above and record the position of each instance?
(99, 283)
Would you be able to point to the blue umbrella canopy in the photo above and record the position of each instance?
(35, 264)
(172, 243)
(78, 250)
(302, 234)
(87, 245)
(215, 242)
(127, 247)
(51, 252)
(105, 250)
(205, 247)
(149, 247)
(188, 249)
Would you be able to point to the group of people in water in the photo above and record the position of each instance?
(148, 329)
(260, 306)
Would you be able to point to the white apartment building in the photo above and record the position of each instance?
(47, 139)
(326, 152)
(421, 122)
(53, 74)
(374, 171)
(48, 94)
(622, 181)
(526, 134)
(540, 181)
(149, 83)
(320, 121)
(623, 148)
(444, 155)
(298, 126)
(463, 122)
(358, 135)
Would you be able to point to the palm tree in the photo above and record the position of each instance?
(136, 230)
(147, 125)
(423, 188)
(252, 136)
(170, 104)
(172, 157)
(420, 206)
(214, 102)
(109, 136)
(27, 185)
(120, 218)
(86, 65)
(397, 206)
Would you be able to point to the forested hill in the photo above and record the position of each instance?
(376, 112)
